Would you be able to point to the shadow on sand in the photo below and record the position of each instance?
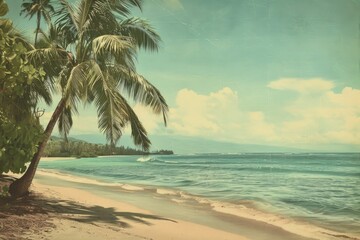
(36, 204)
(34, 212)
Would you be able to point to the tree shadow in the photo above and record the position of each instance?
(34, 210)
(37, 204)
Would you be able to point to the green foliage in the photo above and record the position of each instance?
(18, 142)
(19, 129)
(59, 148)
(56, 147)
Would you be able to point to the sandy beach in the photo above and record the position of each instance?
(59, 213)
(56, 158)
(63, 206)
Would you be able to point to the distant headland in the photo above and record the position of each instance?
(58, 147)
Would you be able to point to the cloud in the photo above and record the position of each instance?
(217, 116)
(197, 114)
(150, 120)
(173, 4)
(314, 85)
(323, 118)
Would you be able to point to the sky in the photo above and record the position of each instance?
(271, 72)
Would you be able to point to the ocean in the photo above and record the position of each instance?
(320, 188)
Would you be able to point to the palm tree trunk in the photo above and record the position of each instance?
(38, 20)
(21, 186)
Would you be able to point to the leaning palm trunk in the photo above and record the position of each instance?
(21, 186)
(99, 71)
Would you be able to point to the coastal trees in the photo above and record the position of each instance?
(56, 147)
(40, 8)
(20, 85)
(90, 53)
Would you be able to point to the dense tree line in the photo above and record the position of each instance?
(59, 148)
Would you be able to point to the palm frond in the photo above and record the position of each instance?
(140, 89)
(94, 75)
(42, 89)
(54, 37)
(111, 45)
(47, 16)
(52, 54)
(126, 58)
(49, 7)
(141, 33)
(114, 112)
(138, 131)
(112, 115)
(84, 14)
(94, 16)
(29, 9)
(51, 59)
(65, 122)
(75, 84)
(66, 20)
(123, 7)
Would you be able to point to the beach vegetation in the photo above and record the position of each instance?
(57, 147)
(21, 84)
(42, 9)
(88, 56)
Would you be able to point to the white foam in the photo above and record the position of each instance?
(290, 225)
(166, 192)
(144, 159)
(131, 187)
(178, 200)
(77, 179)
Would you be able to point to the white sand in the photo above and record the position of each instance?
(130, 222)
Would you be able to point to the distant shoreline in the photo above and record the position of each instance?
(71, 158)
(56, 158)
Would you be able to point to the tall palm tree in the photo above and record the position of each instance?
(96, 42)
(40, 8)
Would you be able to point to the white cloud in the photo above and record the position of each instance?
(326, 117)
(217, 116)
(149, 120)
(313, 85)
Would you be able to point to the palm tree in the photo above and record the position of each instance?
(40, 8)
(95, 42)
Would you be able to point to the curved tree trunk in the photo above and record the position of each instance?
(21, 186)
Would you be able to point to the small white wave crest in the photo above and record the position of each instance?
(146, 159)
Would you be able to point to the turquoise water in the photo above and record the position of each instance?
(321, 188)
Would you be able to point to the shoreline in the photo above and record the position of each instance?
(89, 216)
(224, 217)
(49, 159)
